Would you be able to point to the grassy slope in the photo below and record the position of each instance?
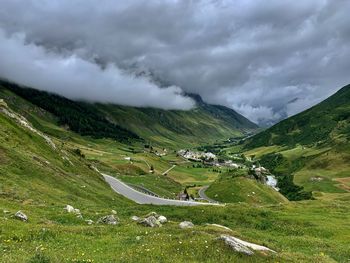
(243, 190)
(206, 123)
(315, 144)
(299, 232)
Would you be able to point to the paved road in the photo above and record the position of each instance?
(141, 198)
(202, 195)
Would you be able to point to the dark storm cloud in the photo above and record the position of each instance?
(266, 59)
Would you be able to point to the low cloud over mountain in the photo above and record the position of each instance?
(253, 56)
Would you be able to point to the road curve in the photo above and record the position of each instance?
(202, 195)
(141, 198)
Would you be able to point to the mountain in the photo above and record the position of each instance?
(327, 122)
(205, 123)
(45, 166)
(311, 149)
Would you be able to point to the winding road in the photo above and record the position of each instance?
(141, 198)
(202, 195)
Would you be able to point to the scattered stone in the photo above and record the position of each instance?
(152, 214)
(316, 179)
(150, 221)
(71, 209)
(108, 220)
(162, 219)
(6, 211)
(114, 212)
(89, 222)
(186, 224)
(135, 218)
(21, 216)
(236, 246)
(243, 246)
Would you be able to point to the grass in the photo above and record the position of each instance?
(303, 232)
(37, 179)
(230, 189)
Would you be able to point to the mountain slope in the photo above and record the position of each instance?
(205, 123)
(328, 121)
(311, 148)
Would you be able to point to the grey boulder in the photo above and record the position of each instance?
(150, 221)
(108, 220)
(186, 224)
(21, 216)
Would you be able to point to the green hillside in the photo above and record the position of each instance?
(311, 148)
(41, 179)
(238, 189)
(327, 122)
(170, 128)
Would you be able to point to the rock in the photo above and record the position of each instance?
(150, 221)
(108, 220)
(243, 246)
(152, 214)
(235, 245)
(21, 216)
(6, 211)
(89, 222)
(186, 224)
(135, 218)
(69, 208)
(114, 212)
(76, 211)
(162, 219)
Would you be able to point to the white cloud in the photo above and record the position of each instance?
(76, 78)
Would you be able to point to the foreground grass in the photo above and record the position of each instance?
(304, 232)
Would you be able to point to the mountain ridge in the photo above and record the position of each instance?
(203, 123)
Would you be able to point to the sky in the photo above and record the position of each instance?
(268, 60)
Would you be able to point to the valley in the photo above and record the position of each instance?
(41, 180)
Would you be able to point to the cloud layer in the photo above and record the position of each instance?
(266, 59)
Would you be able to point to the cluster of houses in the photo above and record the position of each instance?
(197, 156)
(208, 158)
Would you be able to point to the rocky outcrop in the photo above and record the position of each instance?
(25, 123)
(21, 216)
(186, 224)
(108, 220)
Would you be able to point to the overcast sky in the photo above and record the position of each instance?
(265, 59)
